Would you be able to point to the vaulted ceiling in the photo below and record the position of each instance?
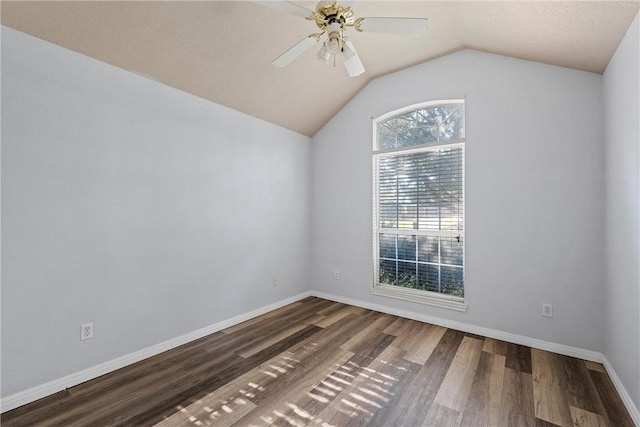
(222, 50)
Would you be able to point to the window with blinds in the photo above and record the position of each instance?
(418, 161)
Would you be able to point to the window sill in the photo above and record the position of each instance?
(422, 297)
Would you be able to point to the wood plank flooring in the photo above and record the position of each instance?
(322, 363)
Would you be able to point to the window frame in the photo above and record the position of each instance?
(408, 294)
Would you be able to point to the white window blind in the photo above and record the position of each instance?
(419, 199)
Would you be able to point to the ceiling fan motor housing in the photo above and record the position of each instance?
(332, 13)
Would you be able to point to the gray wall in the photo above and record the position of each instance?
(621, 90)
(534, 192)
(126, 203)
(153, 213)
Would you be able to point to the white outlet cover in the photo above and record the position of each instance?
(547, 310)
(86, 331)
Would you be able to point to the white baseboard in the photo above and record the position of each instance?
(30, 395)
(566, 350)
(624, 395)
(38, 392)
(500, 335)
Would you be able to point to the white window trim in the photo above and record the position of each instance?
(407, 294)
(423, 297)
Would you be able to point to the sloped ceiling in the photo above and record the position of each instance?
(222, 50)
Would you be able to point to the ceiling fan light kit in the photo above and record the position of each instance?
(332, 19)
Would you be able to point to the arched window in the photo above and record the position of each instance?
(418, 172)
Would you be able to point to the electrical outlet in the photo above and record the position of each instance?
(86, 331)
(275, 282)
(547, 310)
(336, 275)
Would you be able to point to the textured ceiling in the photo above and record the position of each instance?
(222, 50)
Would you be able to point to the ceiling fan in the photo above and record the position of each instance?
(333, 19)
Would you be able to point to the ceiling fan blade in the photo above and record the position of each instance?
(353, 65)
(298, 49)
(288, 7)
(403, 26)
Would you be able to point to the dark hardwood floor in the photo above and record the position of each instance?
(321, 363)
